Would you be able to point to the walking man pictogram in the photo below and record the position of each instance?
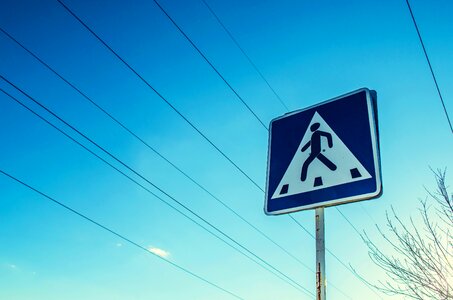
(315, 150)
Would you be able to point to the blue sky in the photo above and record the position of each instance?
(309, 51)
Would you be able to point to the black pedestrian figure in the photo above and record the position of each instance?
(315, 143)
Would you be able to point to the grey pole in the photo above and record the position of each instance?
(320, 255)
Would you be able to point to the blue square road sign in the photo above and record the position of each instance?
(324, 155)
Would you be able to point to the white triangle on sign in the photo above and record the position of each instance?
(340, 166)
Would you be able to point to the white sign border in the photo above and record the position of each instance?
(376, 157)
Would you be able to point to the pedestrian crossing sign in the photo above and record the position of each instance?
(324, 155)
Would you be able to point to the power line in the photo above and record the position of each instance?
(268, 84)
(336, 258)
(193, 45)
(429, 64)
(254, 66)
(272, 269)
(119, 235)
(266, 81)
(349, 267)
(349, 222)
(111, 165)
(159, 94)
(262, 76)
(159, 154)
(149, 191)
(90, 100)
(209, 63)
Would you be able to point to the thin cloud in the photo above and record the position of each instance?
(11, 267)
(160, 252)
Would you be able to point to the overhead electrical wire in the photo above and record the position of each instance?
(208, 62)
(155, 195)
(162, 97)
(163, 157)
(119, 235)
(193, 45)
(204, 57)
(256, 69)
(269, 267)
(286, 107)
(266, 81)
(261, 75)
(429, 64)
(349, 222)
(339, 260)
(254, 66)
(158, 93)
(111, 165)
(372, 288)
(282, 102)
(415, 24)
(158, 153)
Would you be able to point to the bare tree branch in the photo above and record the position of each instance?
(421, 265)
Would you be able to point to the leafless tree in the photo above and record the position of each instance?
(420, 263)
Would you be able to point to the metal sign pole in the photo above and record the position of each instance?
(320, 255)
